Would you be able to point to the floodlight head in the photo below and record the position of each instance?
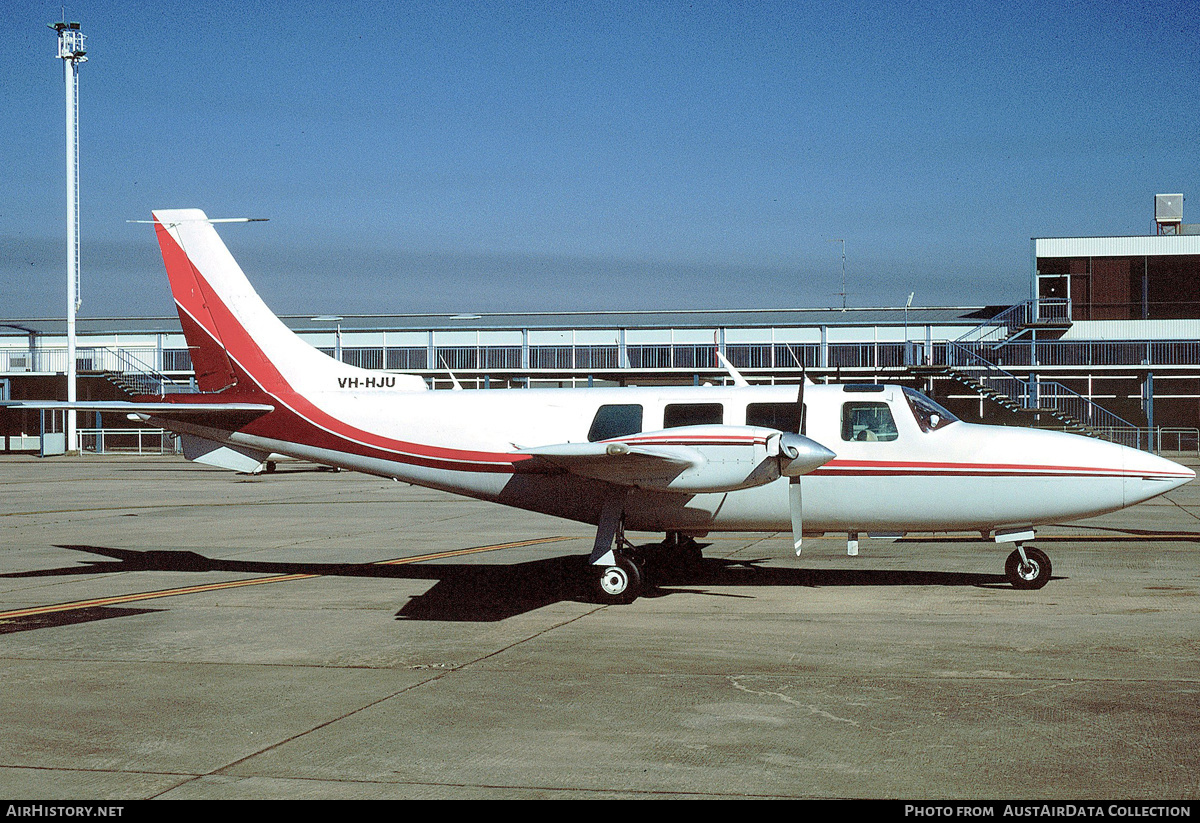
(70, 42)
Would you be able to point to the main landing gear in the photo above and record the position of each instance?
(1027, 568)
(619, 582)
(617, 568)
(622, 577)
(616, 578)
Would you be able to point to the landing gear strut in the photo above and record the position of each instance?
(1027, 568)
(616, 577)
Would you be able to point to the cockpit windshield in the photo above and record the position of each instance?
(930, 416)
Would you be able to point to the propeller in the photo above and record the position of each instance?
(799, 455)
(795, 497)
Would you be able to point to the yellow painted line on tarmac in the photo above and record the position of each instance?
(133, 598)
(233, 584)
(399, 561)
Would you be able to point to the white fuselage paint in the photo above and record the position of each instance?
(961, 477)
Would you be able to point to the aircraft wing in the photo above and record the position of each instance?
(620, 463)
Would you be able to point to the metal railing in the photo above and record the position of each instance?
(1092, 352)
(868, 355)
(139, 366)
(999, 327)
(136, 375)
(1159, 439)
(1016, 319)
(143, 367)
(128, 441)
(1052, 310)
(88, 358)
(1036, 395)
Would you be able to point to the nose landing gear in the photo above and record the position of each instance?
(1027, 568)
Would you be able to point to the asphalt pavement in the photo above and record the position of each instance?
(173, 631)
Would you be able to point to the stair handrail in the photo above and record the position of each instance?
(998, 326)
(1035, 394)
(1001, 327)
(145, 378)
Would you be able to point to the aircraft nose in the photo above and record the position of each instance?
(1147, 475)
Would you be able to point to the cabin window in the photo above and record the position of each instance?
(615, 420)
(868, 421)
(783, 416)
(930, 416)
(693, 414)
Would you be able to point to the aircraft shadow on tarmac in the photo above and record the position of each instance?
(490, 592)
(72, 617)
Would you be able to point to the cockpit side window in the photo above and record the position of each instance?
(930, 416)
(616, 420)
(868, 422)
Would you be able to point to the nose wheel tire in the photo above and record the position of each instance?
(620, 582)
(1031, 573)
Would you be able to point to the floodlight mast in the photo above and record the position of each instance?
(72, 53)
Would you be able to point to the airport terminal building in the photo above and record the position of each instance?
(1108, 344)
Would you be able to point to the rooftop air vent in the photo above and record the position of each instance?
(1168, 213)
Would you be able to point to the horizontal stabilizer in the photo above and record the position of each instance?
(180, 410)
(173, 416)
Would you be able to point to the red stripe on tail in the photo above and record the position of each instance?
(210, 361)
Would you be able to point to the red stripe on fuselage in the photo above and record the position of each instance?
(876, 468)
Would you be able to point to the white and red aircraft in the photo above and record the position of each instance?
(685, 461)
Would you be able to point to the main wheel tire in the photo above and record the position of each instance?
(1028, 575)
(620, 582)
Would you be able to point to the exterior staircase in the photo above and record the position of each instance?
(133, 376)
(1050, 404)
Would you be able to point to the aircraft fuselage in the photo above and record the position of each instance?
(956, 477)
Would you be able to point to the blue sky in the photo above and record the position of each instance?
(450, 157)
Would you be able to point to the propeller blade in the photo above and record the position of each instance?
(798, 455)
(796, 504)
(800, 406)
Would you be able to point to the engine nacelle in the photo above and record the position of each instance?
(687, 459)
(699, 459)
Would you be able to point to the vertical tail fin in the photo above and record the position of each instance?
(210, 358)
(234, 339)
